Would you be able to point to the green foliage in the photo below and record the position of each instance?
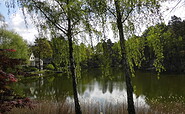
(60, 53)
(42, 48)
(84, 52)
(8, 96)
(81, 54)
(135, 52)
(30, 69)
(161, 45)
(107, 54)
(11, 40)
(154, 40)
(50, 67)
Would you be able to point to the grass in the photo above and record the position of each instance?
(168, 108)
(45, 107)
(48, 107)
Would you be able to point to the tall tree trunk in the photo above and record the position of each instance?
(39, 58)
(72, 69)
(131, 109)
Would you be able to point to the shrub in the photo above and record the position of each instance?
(6, 79)
(29, 69)
(50, 67)
(8, 99)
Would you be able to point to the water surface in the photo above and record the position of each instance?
(107, 86)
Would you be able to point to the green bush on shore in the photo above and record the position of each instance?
(49, 67)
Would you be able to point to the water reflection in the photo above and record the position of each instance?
(116, 94)
(108, 86)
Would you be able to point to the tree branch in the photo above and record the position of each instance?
(53, 22)
(74, 23)
(174, 7)
(128, 15)
(61, 6)
(111, 12)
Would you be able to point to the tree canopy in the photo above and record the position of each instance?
(160, 46)
(42, 48)
(11, 40)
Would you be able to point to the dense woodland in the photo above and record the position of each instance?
(168, 40)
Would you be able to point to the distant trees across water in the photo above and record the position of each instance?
(160, 48)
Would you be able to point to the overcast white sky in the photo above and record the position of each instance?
(174, 7)
(15, 19)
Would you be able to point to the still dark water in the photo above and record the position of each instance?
(107, 86)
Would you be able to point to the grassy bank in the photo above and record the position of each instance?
(96, 108)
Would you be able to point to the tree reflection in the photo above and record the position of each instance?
(94, 85)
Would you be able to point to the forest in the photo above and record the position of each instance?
(163, 43)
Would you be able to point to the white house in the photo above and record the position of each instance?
(32, 60)
(35, 61)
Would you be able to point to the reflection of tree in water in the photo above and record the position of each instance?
(49, 88)
(92, 77)
(56, 87)
(92, 85)
(105, 85)
(111, 87)
(163, 89)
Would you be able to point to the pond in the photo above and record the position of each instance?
(107, 86)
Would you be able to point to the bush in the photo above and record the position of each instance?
(50, 67)
(8, 98)
(29, 69)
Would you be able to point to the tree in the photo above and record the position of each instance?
(107, 53)
(6, 79)
(42, 48)
(116, 56)
(130, 102)
(61, 17)
(135, 51)
(60, 53)
(126, 13)
(11, 40)
(163, 46)
(176, 27)
(2, 21)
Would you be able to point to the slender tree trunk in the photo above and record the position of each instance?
(131, 109)
(72, 69)
(39, 59)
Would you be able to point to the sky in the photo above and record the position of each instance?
(15, 19)
(171, 8)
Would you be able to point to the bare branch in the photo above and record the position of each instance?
(75, 33)
(128, 15)
(111, 12)
(74, 23)
(174, 7)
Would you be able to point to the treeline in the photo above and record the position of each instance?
(160, 48)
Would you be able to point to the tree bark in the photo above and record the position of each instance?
(39, 60)
(72, 69)
(130, 102)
